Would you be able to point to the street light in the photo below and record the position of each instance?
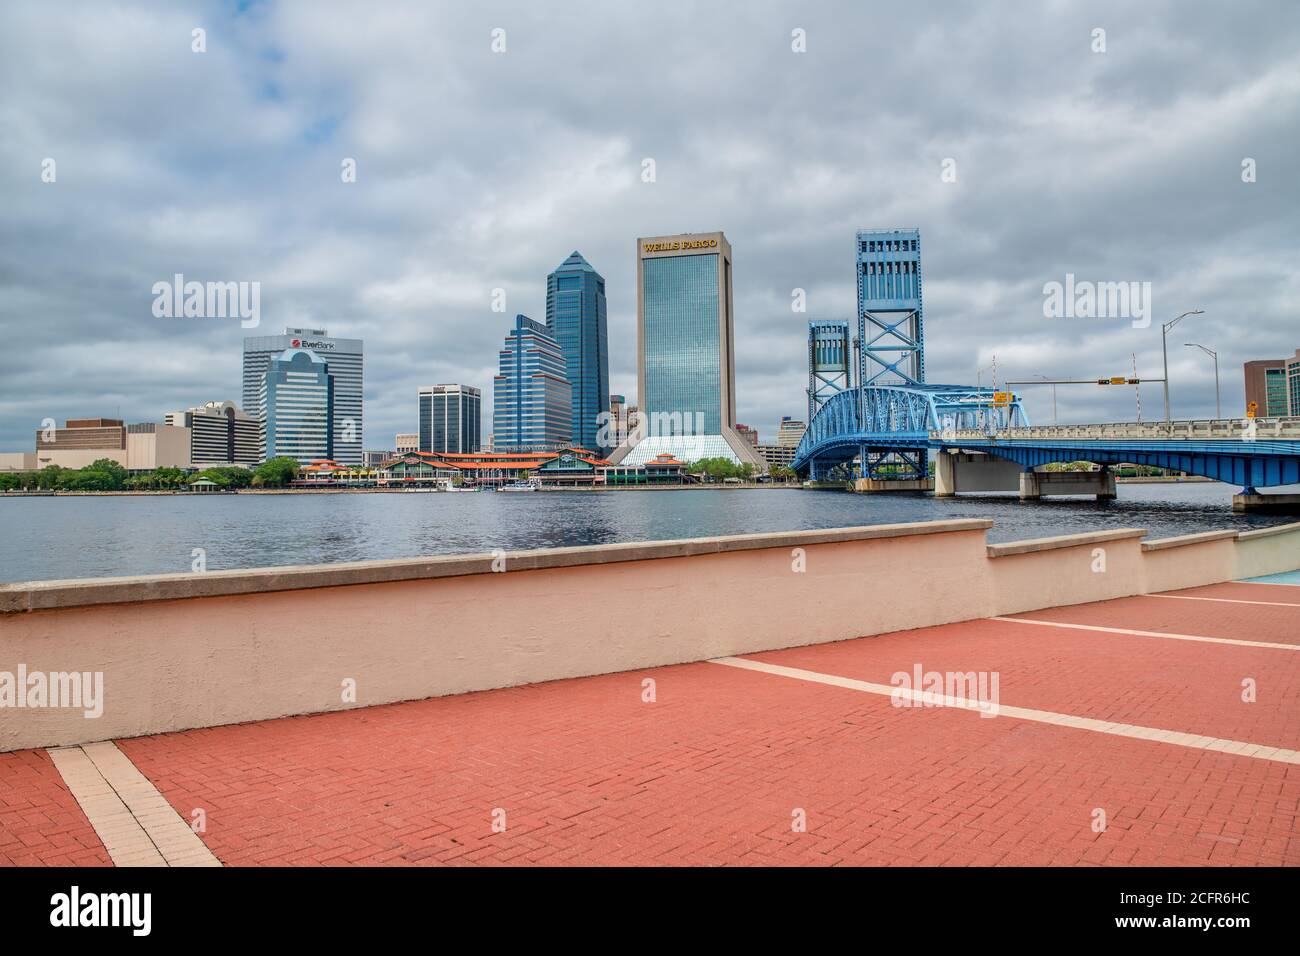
(1218, 411)
(1164, 349)
(1046, 379)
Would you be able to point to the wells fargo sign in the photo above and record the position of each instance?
(679, 245)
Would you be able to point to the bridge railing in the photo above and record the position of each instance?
(1231, 429)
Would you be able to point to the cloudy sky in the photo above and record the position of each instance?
(479, 170)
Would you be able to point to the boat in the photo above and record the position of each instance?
(532, 484)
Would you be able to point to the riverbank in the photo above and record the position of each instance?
(170, 493)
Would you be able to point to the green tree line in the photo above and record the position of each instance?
(105, 474)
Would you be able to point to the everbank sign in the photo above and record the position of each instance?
(314, 344)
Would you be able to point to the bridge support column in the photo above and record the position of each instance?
(945, 475)
(1029, 489)
(1037, 484)
(1107, 490)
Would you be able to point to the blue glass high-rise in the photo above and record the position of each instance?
(576, 319)
(532, 401)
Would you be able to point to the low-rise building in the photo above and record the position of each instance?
(661, 470)
(749, 434)
(83, 441)
(777, 456)
(572, 467)
(221, 434)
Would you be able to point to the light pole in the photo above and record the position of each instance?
(1046, 379)
(1218, 410)
(1164, 350)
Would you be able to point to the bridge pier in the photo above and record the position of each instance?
(867, 486)
(1248, 499)
(965, 471)
(1036, 484)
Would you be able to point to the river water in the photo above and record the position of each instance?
(96, 536)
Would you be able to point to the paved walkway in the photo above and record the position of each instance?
(1122, 737)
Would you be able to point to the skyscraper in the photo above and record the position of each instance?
(686, 387)
(345, 365)
(296, 402)
(532, 400)
(450, 418)
(575, 317)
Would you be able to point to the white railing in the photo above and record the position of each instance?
(1231, 429)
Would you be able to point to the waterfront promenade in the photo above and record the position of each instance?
(1101, 699)
(1121, 706)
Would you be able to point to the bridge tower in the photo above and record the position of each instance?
(830, 361)
(891, 331)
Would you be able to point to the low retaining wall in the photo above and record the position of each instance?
(192, 650)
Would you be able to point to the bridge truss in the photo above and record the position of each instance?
(883, 431)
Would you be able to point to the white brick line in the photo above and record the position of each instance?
(178, 844)
(123, 837)
(1173, 637)
(1154, 734)
(1192, 597)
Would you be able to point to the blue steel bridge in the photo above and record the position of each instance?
(907, 422)
(884, 422)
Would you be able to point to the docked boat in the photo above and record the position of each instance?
(532, 484)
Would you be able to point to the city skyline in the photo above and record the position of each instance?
(1086, 172)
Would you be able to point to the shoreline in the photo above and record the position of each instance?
(161, 492)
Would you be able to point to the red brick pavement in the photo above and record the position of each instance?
(1152, 682)
(715, 769)
(1241, 622)
(1246, 591)
(40, 822)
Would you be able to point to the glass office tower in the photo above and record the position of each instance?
(532, 401)
(686, 379)
(296, 404)
(449, 417)
(575, 317)
(346, 365)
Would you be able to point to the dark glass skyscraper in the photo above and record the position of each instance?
(575, 317)
(449, 418)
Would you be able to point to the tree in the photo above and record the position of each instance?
(720, 469)
(276, 473)
(49, 477)
(89, 479)
(114, 475)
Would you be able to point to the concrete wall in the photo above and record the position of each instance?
(191, 650)
(167, 446)
(78, 457)
(18, 461)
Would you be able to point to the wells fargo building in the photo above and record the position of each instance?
(686, 378)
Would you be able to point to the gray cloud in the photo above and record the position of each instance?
(478, 170)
